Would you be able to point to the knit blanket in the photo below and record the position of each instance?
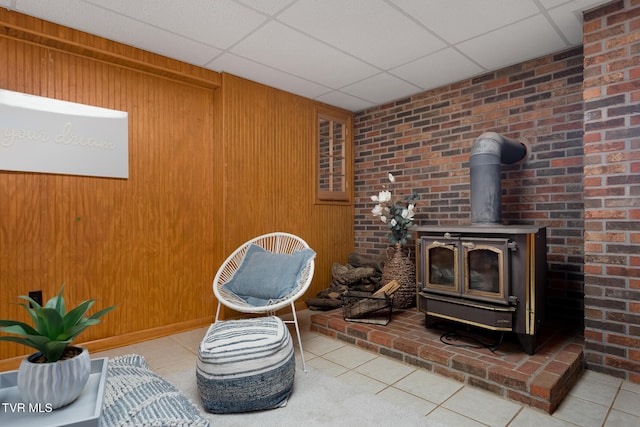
(136, 396)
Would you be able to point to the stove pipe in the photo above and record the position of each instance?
(488, 152)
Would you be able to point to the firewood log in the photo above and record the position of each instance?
(351, 275)
(361, 260)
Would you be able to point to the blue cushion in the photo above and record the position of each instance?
(264, 276)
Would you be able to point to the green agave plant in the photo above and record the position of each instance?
(54, 327)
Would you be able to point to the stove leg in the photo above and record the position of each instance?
(429, 321)
(528, 342)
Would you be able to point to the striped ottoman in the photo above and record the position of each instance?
(245, 365)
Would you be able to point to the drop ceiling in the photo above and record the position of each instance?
(353, 54)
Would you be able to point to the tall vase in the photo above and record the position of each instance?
(400, 268)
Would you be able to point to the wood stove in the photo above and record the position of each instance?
(493, 277)
(485, 274)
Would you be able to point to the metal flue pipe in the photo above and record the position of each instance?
(488, 153)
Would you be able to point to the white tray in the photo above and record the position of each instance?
(85, 411)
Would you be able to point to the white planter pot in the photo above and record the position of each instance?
(53, 384)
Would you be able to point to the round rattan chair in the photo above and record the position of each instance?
(275, 243)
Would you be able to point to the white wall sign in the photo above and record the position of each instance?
(46, 135)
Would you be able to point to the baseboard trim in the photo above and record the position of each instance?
(122, 340)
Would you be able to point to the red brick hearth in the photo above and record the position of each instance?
(541, 380)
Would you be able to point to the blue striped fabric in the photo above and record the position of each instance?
(136, 396)
(246, 365)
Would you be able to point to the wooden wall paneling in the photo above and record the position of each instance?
(148, 243)
(211, 165)
(269, 181)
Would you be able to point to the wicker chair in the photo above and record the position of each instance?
(275, 243)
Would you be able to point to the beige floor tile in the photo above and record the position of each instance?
(386, 370)
(627, 385)
(444, 417)
(482, 406)
(581, 412)
(431, 387)
(627, 401)
(179, 365)
(321, 345)
(444, 402)
(349, 357)
(326, 366)
(161, 344)
(593, 376)
(595, 390)
(621, 419)
(158, 358)
(120, 351)
(408, 401)
(528, 417)
(191, 339)
(362, 382)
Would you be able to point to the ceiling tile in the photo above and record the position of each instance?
(283, 48)
(571, 4)
(568, 17)
(323, 48)
(548, 4)
(504, 46)
(381, 88)
(219, 23)
(367, 29)
(438, 69)
(458, 20)
(103, 23)
(249, 70)
(345, 101)
(270, 7)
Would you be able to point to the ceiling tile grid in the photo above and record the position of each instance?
(353, 54)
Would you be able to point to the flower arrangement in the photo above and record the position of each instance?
(398, 215)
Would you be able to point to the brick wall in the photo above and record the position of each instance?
(612, 188)
(581, 178)
(425, 141)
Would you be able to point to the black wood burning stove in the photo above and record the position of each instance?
(485, 274)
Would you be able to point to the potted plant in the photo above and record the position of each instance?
(56, 374)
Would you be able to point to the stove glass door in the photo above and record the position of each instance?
(440, 257)
(485, 268)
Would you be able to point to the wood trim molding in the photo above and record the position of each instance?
(32, 30)
(122, 340)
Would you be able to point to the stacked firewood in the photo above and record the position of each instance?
(362, 276)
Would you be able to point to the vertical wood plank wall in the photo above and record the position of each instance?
(213, 161)
(147, 243)
(269, 149)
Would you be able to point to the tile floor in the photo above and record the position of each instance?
(596, 400)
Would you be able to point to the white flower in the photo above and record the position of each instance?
(384, 196)
(408, 213)
(398, 215)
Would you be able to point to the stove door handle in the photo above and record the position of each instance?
(469, 245)
(441, 244)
